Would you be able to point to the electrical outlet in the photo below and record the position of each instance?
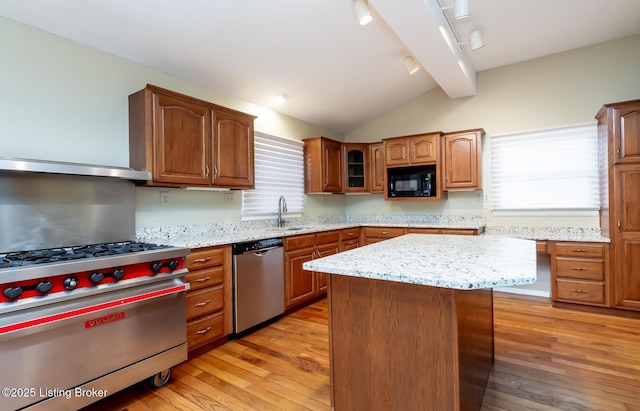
(228, 198)
(164, 198)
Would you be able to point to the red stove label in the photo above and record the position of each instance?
(104, 320)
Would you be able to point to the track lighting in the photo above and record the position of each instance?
(362, 12)
(410, 64)
(475, 39)
(461, 9)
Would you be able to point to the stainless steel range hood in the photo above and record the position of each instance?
(57, 167)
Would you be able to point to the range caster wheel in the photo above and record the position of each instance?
(160, 378)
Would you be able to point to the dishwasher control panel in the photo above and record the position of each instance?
(240, 248)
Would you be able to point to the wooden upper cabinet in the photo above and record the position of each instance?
(185, 142)
(622, 121)
(233, 148)
(323, 165)
(376, 168)
(412, 150)
(356, 167)
(461, 160)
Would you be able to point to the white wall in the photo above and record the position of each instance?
(64, 101)
(553, 91)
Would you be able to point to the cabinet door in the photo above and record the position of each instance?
(461, 161)
(299, 283)
(233, 150)
(627, 209)
(626, 133)
(181, 140)
(377, 171)
(323, 251)
(396, 152)
(331, 166)
(424, 149)
(356, 167)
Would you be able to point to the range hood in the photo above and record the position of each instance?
(58, 167)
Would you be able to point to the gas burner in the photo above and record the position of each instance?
(31, 257)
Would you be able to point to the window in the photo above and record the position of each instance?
(551, 170)
(278, 171)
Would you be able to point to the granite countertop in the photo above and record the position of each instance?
(579, 234)
(448, 261)
(195, 239)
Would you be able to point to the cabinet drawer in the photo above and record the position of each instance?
(204, 301)
(582, 268)
(542, 247)
(451, 231)
(204, 330)
(579, 291)
(349, 245)
(579, 250)
(299, 241)
(327, 237)
(349, 233)
(383, 232)
(205, 277)
(204, 258)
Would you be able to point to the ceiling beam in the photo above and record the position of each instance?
(422, 27)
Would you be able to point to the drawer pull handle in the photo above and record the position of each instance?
(203, 280)
(203, 331)
(579, 291)
(202, 260)
(350, 234)
(578, 269)
(202, 303)
(578, 250)
(384, 232)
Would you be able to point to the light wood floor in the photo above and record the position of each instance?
(545, 359)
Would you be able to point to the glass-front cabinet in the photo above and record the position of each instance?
(356, 167)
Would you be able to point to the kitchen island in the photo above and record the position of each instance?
(411, 319)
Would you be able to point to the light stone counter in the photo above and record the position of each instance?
(446, 261)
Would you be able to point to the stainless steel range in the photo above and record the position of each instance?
(79, 322)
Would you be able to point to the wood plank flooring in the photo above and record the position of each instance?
(545, 359)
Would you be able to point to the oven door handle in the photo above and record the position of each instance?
(92, 309)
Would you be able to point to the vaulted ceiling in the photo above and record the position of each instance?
(336, 73)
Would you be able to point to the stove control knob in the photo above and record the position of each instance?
(70, 283)
(44, 287)
(156, 267)
(117, 274)
(12, 292)
(173, 264)
(96, 277)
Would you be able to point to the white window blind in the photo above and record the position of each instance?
(279, 170)
(546, 170)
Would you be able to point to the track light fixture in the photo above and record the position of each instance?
(410, 64)
(461, 9)
(363, 13)
(475, 40)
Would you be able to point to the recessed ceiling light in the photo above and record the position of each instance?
(280, 99)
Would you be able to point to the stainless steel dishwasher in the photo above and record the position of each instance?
(258, 279)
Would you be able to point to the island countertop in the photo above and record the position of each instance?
(446, 261)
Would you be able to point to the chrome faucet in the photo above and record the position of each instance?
(282, 208)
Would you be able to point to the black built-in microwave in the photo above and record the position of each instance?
(417, 181)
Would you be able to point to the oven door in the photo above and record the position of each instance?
(49, 350)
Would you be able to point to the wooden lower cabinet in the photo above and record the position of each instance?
(580, 273)
(302, 285)
(376, 234)
(450, 231)
(209, 304)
